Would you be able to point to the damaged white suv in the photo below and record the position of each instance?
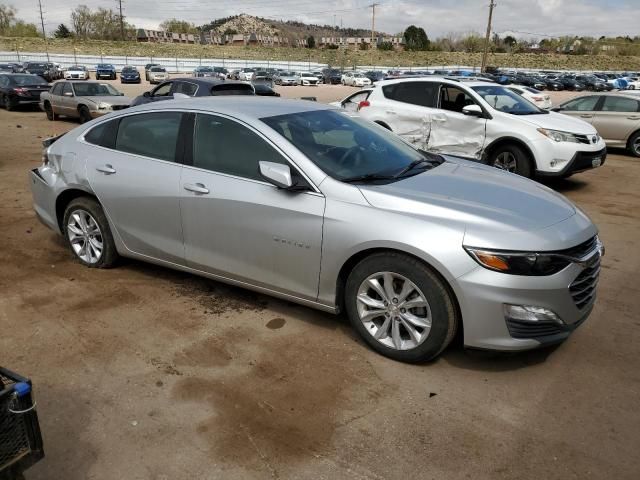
(486, 122)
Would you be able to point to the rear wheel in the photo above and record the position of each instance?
(400, 307)
(87, 232)
(634, 144)
(511, 158)
(8, 103)
(84, 114)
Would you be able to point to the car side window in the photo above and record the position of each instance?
(186, 88)
(454, 99)
(66, 88)
(225, 146)
(4, 81)
(153, 135)
(423, 94)
(103, 134)
(582, 104)
(163, 90)
(351, 103)
(619, 104)
(57, 89)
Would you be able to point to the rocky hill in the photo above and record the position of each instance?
(247, 24)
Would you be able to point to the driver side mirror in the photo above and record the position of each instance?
(557, 109)
(473, 110)
(146, 94)
(276, 173)
(68, 94)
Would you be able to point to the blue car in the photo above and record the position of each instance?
(104, 70)
(129, 74)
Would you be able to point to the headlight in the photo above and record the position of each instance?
(558, 136)
(518, 263)
(104, 106)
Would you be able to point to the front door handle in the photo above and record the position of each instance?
(586, 116)
(106, 169)
(196, 188)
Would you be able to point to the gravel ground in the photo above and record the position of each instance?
(145, 373)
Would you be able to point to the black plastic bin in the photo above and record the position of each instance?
(20, 437)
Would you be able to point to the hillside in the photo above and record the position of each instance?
(246, 24)
(340, 58)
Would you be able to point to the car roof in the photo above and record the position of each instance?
(435, 78)
(206, 81)
(247, 106)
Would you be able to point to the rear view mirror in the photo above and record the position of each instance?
(276, 173)
(473, 111)
(557, 109)
(68, 94)
(146, 94)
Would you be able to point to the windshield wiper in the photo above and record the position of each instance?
(369, 177)
(415, 164)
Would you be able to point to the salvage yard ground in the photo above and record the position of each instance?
(145, 373)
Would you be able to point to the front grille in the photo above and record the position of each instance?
(583, 288)
(584, 160)
(581, 250)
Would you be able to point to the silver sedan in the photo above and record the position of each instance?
(317, 206)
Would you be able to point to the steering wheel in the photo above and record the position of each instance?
(351, 151)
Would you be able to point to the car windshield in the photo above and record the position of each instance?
(77, 67)
(157, 69)
(261, 74)
(36, 65)
(27, 80)
(104, 65)
(348, 148)
(129, 70)
(95, 90)
(506, 101)
(287, 74)
(205, 69)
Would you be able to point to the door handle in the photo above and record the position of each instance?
(389, 112)
(586, 116)
(106, 169)
(633, 118)
(196, 188)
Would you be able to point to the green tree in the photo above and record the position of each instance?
(510, 41)
(7, 17)
(62, 31)
(415, 38)
(174, 25)
(311, 42)
(23, 29)
(385, 46)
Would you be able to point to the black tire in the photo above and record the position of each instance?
(444, 321)
(51, 115)
(84, 114)
(109, 253)
(8, 103)
(523, 164)
(634, 144)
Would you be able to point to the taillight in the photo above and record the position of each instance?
(363, 103)
(537, 99)
(21, 91)
(45, 157)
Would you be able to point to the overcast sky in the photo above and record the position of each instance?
(437, 17)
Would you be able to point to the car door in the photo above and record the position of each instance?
(64, 103)
(452, 131)
(583, 108)
(616, 118)
(133, 168)
(408, 108)
(237, 225)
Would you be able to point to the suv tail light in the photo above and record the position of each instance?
(363, 103)
(21, 91)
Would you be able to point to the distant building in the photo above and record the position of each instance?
(160, 36)
(355, 42)
(240, 40)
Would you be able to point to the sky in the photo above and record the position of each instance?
(531, 19)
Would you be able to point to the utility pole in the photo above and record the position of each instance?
(486, 40)
(121, 21)
(373, 27)
(44, 33)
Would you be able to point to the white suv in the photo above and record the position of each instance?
(485, 122)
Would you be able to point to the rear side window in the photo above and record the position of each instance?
(57, 89)
(619, 104)
(232, 89)
(424, 94)
(153, 135)
(186, 88)
(103, 134)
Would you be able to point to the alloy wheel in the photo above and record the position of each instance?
(393, 310)
(506, 161)
(636, 146)
(85, 236)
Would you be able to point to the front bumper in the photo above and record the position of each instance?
(130, 80)
(563, 158)
(104, 75)
(486, 292)
(580, 162)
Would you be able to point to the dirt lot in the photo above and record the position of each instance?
(145, 373)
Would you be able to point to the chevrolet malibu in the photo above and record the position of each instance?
(317, 206)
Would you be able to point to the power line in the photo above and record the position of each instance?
(121, 21)
(44, 33)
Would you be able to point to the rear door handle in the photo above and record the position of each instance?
(106, 169)
(586, 116)
(196, 188)
(390, 112)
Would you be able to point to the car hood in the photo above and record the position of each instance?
(558, 121)
(478, 197)
(110, 100)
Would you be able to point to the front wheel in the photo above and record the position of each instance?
(51, 115)
(88, 235)
(400, 307)
(511, 158)
(84, 114)
(9, 103)
(634, 144)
